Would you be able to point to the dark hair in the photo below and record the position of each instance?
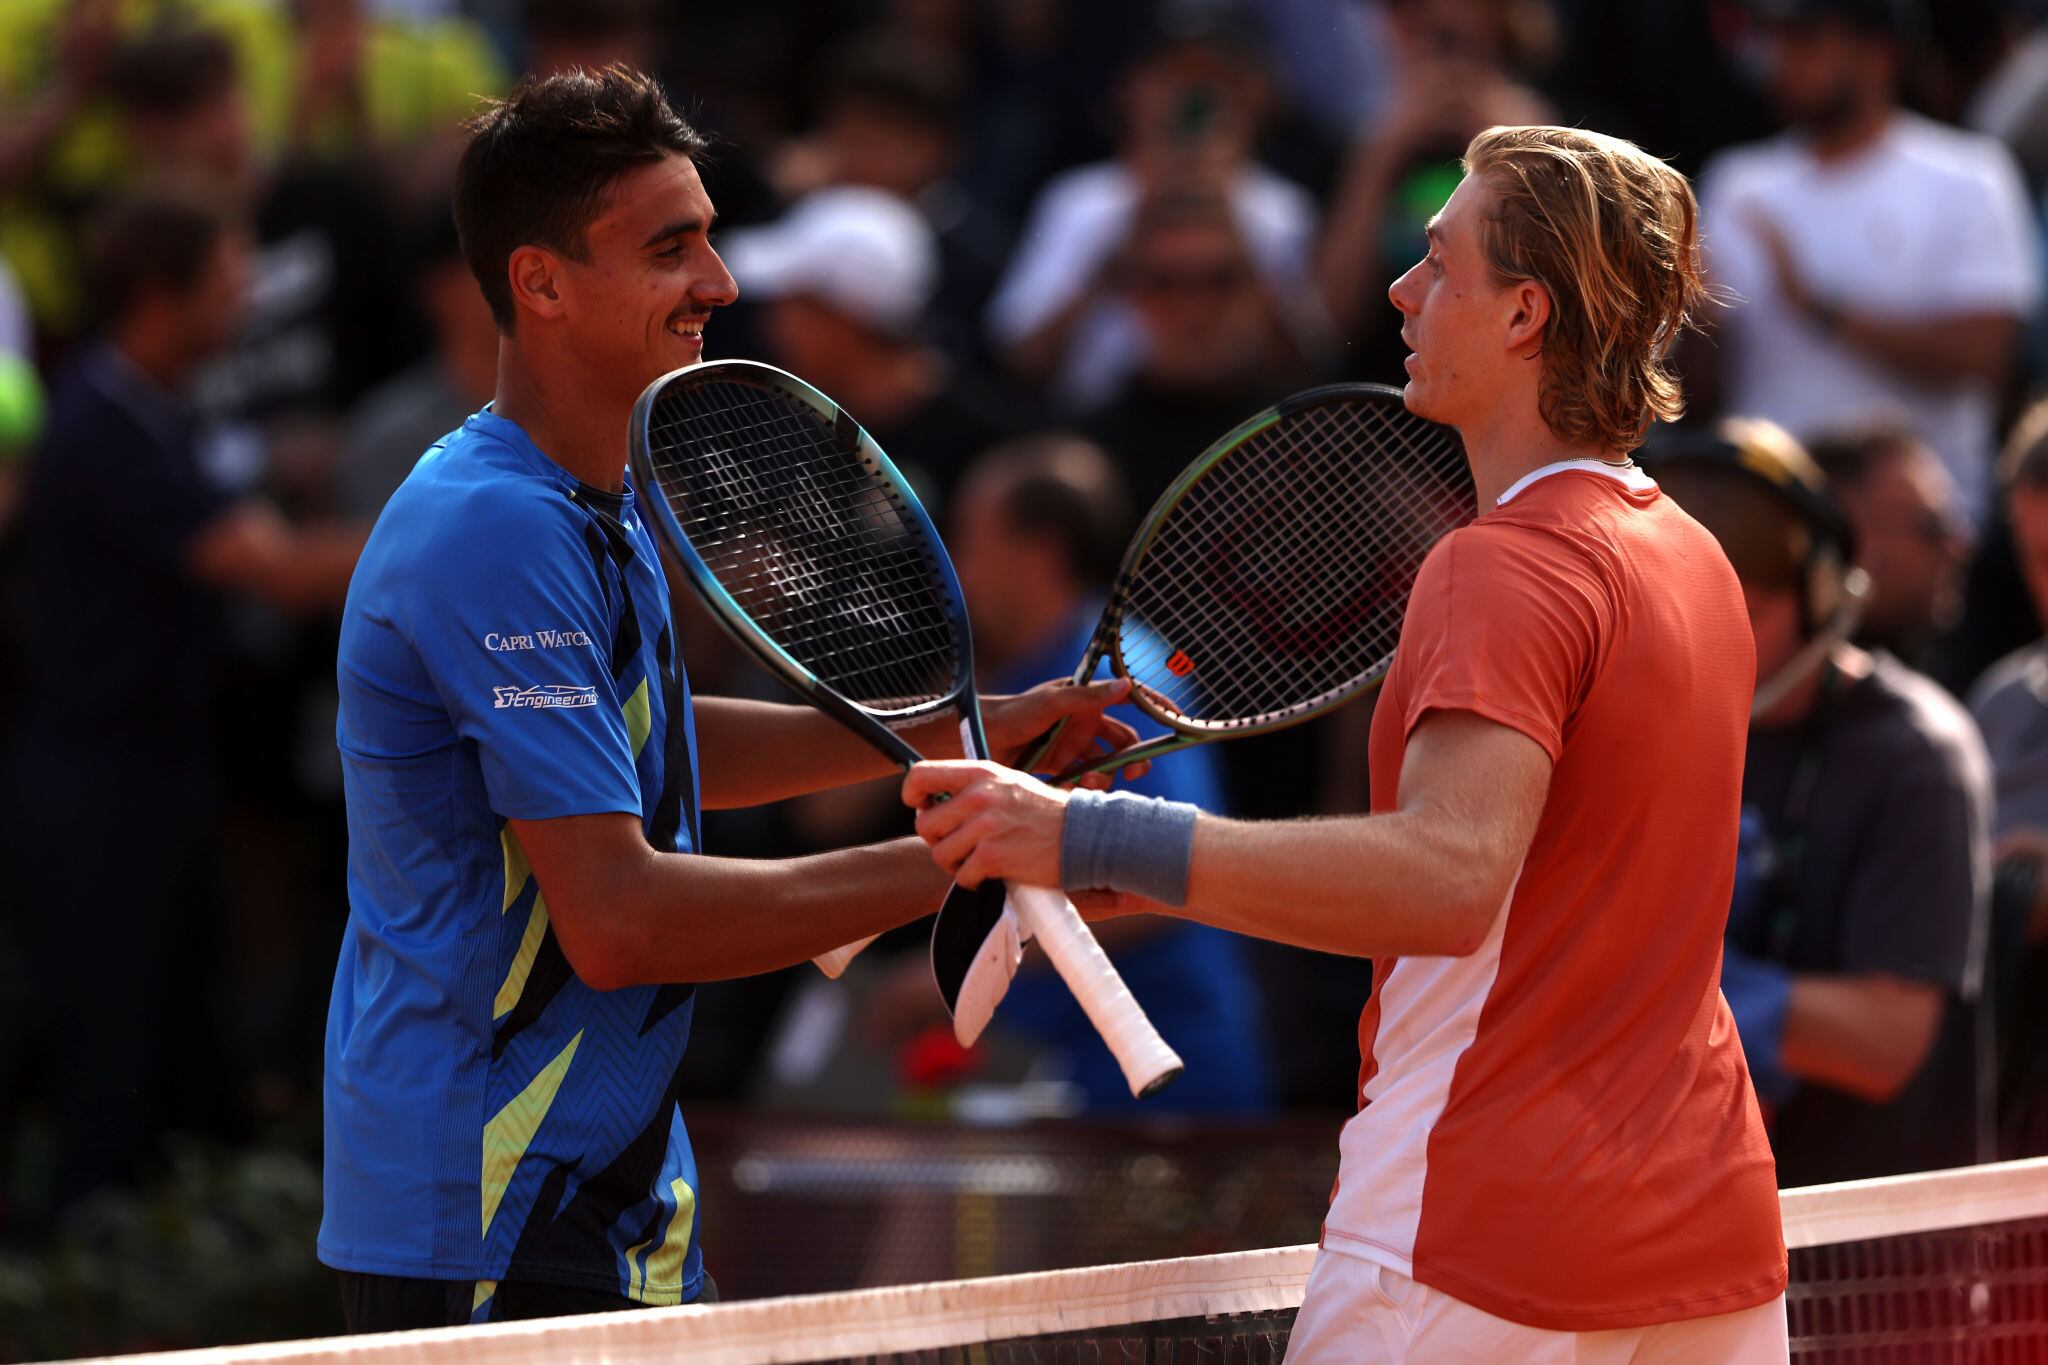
(172, 70)
(541, 163)
(1852, 454)
(1064, 488)
(158, 240)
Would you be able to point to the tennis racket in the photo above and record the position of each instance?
(808, 547)
(1267, 584)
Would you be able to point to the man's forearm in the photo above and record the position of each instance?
(1868, 1035)
(1403, 884)
(684, 917)
(1946, 350)
(751, 753)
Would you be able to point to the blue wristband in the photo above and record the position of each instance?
(1758, 994)
(1126, 842)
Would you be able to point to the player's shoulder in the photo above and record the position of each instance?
(1501, 553)
(476, 488)
(477, 509)
(1589, 534)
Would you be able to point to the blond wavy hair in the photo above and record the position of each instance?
(1612, 234)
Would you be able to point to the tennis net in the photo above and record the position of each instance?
(1950, 1266)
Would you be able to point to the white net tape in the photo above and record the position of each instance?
(930, 1316)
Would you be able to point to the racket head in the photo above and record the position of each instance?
(1267, 585)
(810, 549)
(803, 539)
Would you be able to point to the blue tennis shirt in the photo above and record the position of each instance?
(506, 653)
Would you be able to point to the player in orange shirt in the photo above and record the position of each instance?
(1558, 1155)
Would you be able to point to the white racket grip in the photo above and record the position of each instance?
(1147, 1062)
(988, 978)
(834, 962)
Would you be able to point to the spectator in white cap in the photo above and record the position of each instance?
(844, 280)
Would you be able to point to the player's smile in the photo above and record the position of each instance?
(687, 326)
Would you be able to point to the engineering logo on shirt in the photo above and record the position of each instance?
(547, 696)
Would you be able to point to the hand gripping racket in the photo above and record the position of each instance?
(811, 551)
(1267, 584)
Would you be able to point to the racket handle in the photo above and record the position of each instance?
(834, 962)
(1147, 1062)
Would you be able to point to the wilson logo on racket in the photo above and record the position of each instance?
(1180, 665)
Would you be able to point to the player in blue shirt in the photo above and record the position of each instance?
(523, 761)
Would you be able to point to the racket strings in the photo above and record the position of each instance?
(808, 539)
(1292, 616)
(1281, 577)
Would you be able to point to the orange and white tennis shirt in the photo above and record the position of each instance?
(1559, 1129)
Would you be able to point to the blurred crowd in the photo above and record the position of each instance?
(1045, 252)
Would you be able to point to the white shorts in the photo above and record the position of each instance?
(1359, 1313)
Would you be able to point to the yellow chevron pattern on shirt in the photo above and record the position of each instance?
(484, 1290)
(510, 1131)
(517, 869)
(660, 1282)
(639, 715)
(514, 984)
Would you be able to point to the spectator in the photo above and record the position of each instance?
(126, 548)
(1460, 70)
(178, 94)
(1187, 120)
(392, 424)
(2011, 700)
(1214, 349)
(845, 280)
(56, 146)
(320, 327)
(379, 85)
(1878, 264)
(320, 79)
(1038, 529)
(891, 122)
(1911, 536)
(2010, 704)
(1856, 936)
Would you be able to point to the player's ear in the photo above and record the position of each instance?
(1529, 311)
(538, 282)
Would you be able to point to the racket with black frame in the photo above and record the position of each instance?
(810, 549)
(1267, 585)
